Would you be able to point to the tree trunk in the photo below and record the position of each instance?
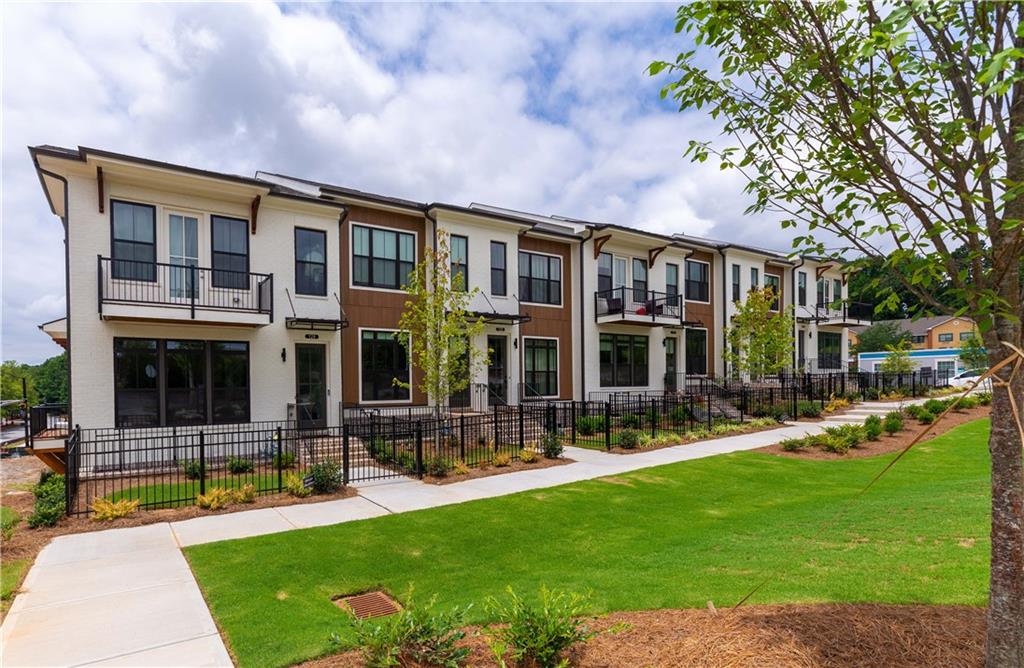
(1005, 641)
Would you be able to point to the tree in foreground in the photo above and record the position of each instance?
(760, 337)
(880, 336)
(896, 129)
(437, 329)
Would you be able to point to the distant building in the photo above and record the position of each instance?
(943, 361)
(932, 333)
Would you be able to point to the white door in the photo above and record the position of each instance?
(184, 252)
(619, 272)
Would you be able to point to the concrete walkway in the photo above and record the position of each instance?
(126, 597)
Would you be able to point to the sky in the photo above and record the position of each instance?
(543, 108)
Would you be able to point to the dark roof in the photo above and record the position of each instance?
(919, 327)
(355, 194)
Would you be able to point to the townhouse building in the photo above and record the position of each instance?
(196, 297)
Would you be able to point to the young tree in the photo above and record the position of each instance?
(51, 379)
(436, 328)
(973, 354)
(898, 129)
(760, 338)
(880, 336)
(898, 360)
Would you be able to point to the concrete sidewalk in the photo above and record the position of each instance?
(127, 596)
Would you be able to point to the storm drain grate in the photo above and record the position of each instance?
(370, 604)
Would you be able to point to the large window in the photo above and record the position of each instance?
(830, 349)
(672, 283)
(604, 272)
(540, 278)
(384, 360)
(736, 292)
(755, 278)
(499, 272)
(822, 292)
(801, 287)
(310, 262)
(459, 252)
(230, 252)
(837, 290)
(966, 336)
(698, 276)
(623, 360)
(133, 240)
(540, 361)
(639, 280)
(696, 351)
(772, 281)
(382, 258)
(170, 382)
(946, 337)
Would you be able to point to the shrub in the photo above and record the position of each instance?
(808, 409)
(215, 499)
(104, 509)
(50, 501)
(836, 404)
(843, 437)
(757, 423)
(293, 485)
(528, 455)
(893, 423)
(589, 425)
(326, 477)
(405, 460)
(792, 444)
(836, 444)
(913, 410)
(631, 421)
(502, 459)
(238, 465)
(193, 469)
(680, 414)
(551, 445)
(244, 494)
(437, 466)
(415, 636)
(935, 406)
(7, 525)
(872, 394)
(537, 635)
(984, 398)
(968, 402)
(630, 439)
(873, 427)
(925, 417)
(286, 460)
(460, 467)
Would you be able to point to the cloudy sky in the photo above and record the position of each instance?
(534, 107)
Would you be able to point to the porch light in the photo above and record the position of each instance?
(284, 354)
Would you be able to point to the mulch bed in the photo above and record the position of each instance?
(491, 470)
(888, 443)
(786, 636)
(684, 441)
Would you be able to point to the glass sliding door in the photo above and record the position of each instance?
(183, 236)
(311, 384)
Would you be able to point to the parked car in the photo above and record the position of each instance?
(967, 378)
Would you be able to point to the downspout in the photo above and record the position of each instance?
(725, 307)
(792, 276)
(583, 308)
(342, 219)
(67, 277)
(437, 334)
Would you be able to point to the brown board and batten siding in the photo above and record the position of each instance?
(705, 313)
(372, 308)
(551, 321)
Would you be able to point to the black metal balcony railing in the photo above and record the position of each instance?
(844, 311)
(630, 301)
(182, 286)
(46, 422)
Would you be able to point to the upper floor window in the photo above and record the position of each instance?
(460, 262)
(822, 291)
(310, 262)
(540, 278)
(736, 283)
(801, 287)
(230, 258)
(604, 272)
(918, 339)
(837, 289)
(945, 338)
(639, 279)
(382, 258)
(966, 336)
(672, 282)
(755, 278)
(772, 281)
(133, 240)
(499, 274)
(698, 276)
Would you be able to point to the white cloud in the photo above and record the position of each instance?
(537, 107)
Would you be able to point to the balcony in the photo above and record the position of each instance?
(844, 314)
(133, 290)
(640, 307)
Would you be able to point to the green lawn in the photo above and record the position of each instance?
(14, 569)
(183, 493)
(672, 536)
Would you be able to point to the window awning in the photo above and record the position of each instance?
(495, 318)
(315, 324)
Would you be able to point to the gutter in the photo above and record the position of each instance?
(583, 308)
(792, 277)
(725, 306)
(342, 219)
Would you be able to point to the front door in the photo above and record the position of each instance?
(497, 370)
(671, 383)
(311, 384)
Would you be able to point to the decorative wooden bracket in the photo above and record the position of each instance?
(255, 210)
(653, 254)
(599, 243)
(99, 187)
(820, 271)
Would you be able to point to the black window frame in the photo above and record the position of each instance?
(528, 282)
(837, 290)
(635, 374)
(371, 258)
(639, 265)
(688, 357)
(212, 359)
(383, 391)
(945, 340)
(605, 279)
(737, 290)
(774, 282)
(672, 287)
(801, 287)
(138, 270)
(302, 263)
(499, 275)
(457, 267)
(230, 279)
(530, 377)
(755, 278)
(155, 391)
(966, 336)
(702, 283)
